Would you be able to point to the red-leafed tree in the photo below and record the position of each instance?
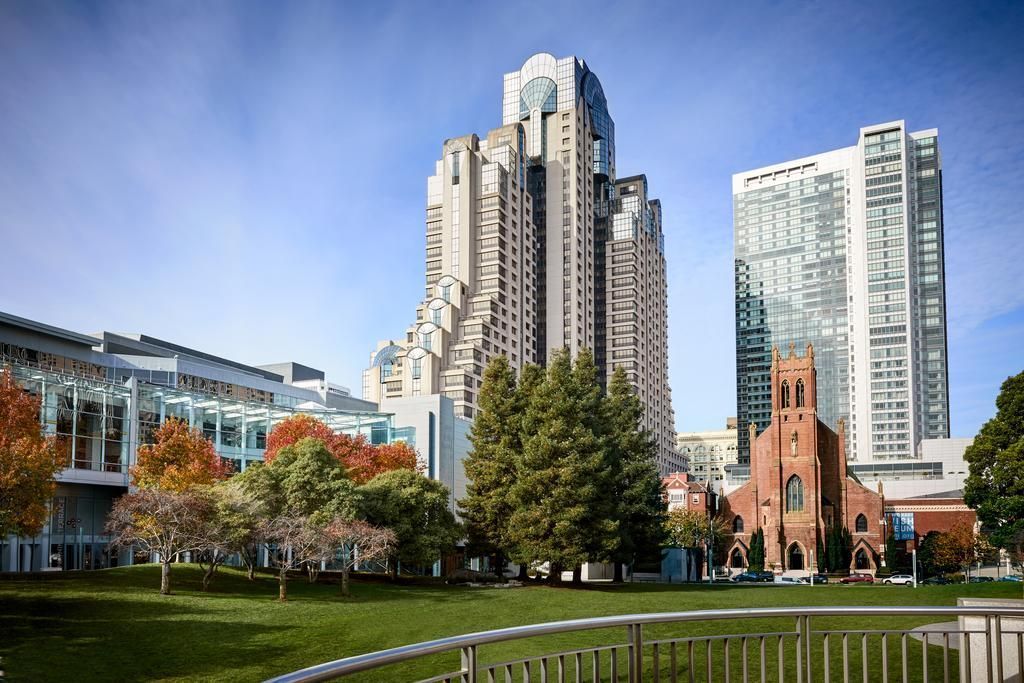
(362, 460)
(294, 429)
(28, 462)
(180, 459)
(368, 462)
(359, 542)
(161, 521)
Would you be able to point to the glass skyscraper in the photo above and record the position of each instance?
(844, 250)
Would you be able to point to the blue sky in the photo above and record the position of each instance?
(249, 178)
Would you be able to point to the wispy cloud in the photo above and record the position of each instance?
(250, 179)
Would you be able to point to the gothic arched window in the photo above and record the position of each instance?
(799, 393)
(737, 525)
(861, 524)
(785, 393)
(794, 494)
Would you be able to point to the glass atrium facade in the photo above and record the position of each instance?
(100, 425)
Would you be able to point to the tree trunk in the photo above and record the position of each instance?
(165, 576)
(523, 575)
(554, 575)
(499, 565)
(618, 577)
(577, 575)
(208, 576)
(251, 574)
(394, 571)
(344, 582)
(282, 585)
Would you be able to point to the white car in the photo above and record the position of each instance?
(900, 580)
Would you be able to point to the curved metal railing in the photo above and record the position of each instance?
(811, 652)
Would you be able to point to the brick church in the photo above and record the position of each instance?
(798, 484)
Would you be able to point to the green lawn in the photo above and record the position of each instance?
(113, 625)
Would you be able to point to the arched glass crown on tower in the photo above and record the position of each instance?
(548, 84)
(540, 93)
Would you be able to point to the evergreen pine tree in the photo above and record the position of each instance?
(530, 378)
(755, 553)
(491, 465)
(820, 558)
(833, 548)
(558, 488)
(845, 548)
(601, 525)
(635, 481)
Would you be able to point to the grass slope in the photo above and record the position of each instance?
(113, 625)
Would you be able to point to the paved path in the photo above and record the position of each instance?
(933, 632)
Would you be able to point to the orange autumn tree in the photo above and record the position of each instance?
(28, 462)
(295, 428)
(369, 462)
(362, 460)
(180, 459)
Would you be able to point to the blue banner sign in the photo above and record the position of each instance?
(903, 526)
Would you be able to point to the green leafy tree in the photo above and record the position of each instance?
(305, 479)
(416, 509)
(995, 484)
(755, 553)
(238, 519)
(635, 481)
(693, 529)
(931, 563)
(563, 513)
(491, 466)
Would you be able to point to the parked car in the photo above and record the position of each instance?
(981, 579)
(936, 581)
(857, 578)
(754, 577)
(1012, 577)
(820, 578)
(790, 580)
(900, 580)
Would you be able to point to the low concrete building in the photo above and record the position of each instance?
(939, 469)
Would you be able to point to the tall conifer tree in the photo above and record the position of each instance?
(601, 525)
(491, 466)
(557, 494)
(634, 479)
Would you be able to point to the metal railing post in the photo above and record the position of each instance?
(807, 651)
(469, 664)
(799, 650)
(988, 648)
(999, 648)
(634, 634)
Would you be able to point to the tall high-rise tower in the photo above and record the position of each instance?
(551, 252)
(845, 250)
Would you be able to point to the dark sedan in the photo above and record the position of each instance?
(936, 581)
(754, 577)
